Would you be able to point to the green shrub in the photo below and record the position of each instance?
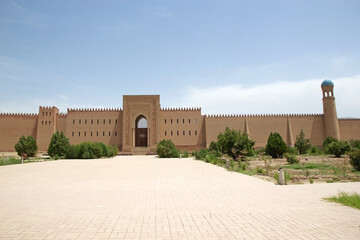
(292, 150)
(275, 146)
(185, 154)
(315, 151)
(355, 144)
(290, 158)
(96, 150)
(326, 143)
(200, 155)
(214, 146)
(355, 159)
(85, 150)
(338, 148)
(26, 146)
(104, 148)
(210, 158)
(302, 144)
(71, 152)
(58, 144)
(89, 150)
(167, 149)
(234, 143)
(112, 151)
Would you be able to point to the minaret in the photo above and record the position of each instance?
(331, 124)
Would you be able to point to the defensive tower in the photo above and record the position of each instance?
(331, 123)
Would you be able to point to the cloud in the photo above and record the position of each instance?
(277, 97)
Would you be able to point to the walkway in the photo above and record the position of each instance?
(143, 197)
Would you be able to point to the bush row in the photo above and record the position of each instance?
(89, 150)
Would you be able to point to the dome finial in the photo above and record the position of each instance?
(327, 82)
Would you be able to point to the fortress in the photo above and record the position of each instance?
(142, 123)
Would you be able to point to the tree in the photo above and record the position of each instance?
(234, 143)
(326, 143)
(302, 144)
(355, 159)
(58, 144)
(339, 148)
(167, 149)
(26, 146)
(275, 146)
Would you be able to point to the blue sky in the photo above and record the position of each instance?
(224, 56)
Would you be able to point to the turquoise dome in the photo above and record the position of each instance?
(327, 83)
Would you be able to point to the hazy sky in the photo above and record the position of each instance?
(235, 57)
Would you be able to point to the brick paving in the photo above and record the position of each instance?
(143, 197)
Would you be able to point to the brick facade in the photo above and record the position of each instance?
(186, 127)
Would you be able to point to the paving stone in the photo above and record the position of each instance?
(144, 197)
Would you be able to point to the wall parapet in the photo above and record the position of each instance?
(94, 110)
(181, 109)
(355, 119)
(261, 115)
(19, 114)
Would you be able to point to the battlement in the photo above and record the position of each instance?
(63, 115)
(355, 119)
(18, 114)
(94, 110)
(181, 109)
(47, 107)
(261, 115)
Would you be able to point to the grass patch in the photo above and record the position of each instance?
(308, 166)
(347, 199)
(9, 161)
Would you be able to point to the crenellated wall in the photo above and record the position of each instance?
(184, 126)
(259, 127)
(13, 126)
(349, 128)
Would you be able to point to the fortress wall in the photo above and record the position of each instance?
(61, 120)
(185, 127)
(13, 126)
(260, 126)
(312, 125)
(46, 126)
(349, 129)
(217, 124)
(94, 125)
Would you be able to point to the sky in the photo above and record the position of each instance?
(225, 56)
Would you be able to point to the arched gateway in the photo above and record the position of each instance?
(141, 131)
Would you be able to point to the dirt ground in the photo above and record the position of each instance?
(326, 169)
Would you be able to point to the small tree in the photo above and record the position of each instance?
(167, 149)
(234, 143)
(338, 148)
(355, 159)
(326, 143)
(302, 144)
(275, 146)
(26, 146)
(58, 144)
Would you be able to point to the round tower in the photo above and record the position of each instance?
(331, 124)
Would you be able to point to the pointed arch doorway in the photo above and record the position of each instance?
(141, 132)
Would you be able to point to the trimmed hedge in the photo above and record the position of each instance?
(89, 150)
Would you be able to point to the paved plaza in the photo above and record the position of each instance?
(144, 197)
